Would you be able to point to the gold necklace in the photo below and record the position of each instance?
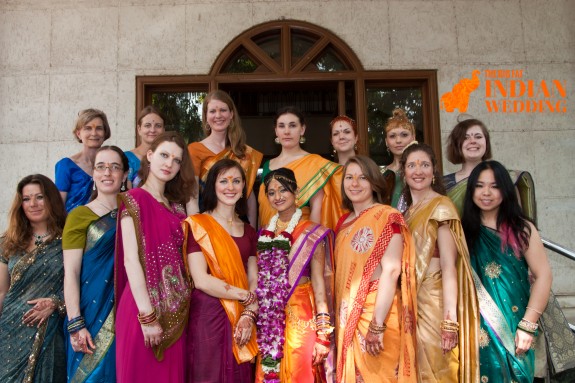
(230, 221)
(413, 208)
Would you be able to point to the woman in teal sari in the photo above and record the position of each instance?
(504, 247)
(31, 276)
(89, 247)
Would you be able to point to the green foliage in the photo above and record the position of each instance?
(183, 112)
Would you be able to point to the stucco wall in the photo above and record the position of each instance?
(58, 57)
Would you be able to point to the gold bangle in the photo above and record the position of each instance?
(532, 309)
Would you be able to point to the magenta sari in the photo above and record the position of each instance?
(160, 237)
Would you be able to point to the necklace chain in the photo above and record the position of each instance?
(38, 238)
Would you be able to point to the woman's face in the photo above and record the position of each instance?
(229, 187)
(474, 145)
(151, 126)
(397, 139)
(486, 193)
(109, 173)
(418, 171)
(343, 138)
(165, 162)
(219, 116)
(92, 133)
(280, 197)
(33, 203)
(356, 185)
(289, 130)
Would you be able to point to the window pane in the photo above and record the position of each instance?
(240, 63)
(328, 61)
(380, 104)
(183, 112)
(271, 44)
(301, 43)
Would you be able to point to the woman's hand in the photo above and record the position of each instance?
(42, 309)
(153, 334)
(373, 343)
(449, 340)
(82, 342)
(523, 342)
(243, 331)
(319, 353)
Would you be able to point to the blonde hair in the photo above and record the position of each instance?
(399, 120)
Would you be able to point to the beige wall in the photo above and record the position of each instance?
(57, 57)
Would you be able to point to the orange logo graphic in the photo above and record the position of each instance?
(458, 98)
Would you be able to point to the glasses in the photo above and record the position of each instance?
(114, 168)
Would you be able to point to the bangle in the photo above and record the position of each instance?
(532, 309)
(376, 329)
(325, 343)
(148, 319)
(76, 324)
(528, 326)
(249, 299)
(250, 314)
(449, 326)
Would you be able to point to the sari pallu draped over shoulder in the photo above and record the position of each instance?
(360, 246)
(225, 263)
(462, 363)
(97, 302)
(159, 237)
(503, 290)
(313, 173)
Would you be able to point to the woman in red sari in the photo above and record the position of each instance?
(152, 290)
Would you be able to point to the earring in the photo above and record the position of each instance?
(433, 180)
(388, 152)
(93, 185)
(231, 125)
(277, 140)
(334, 153)
(208, 128)
(355, 148)
(123, 188)
(302, 139)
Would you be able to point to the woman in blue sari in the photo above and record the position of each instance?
(504, 247)
(31, 276)
(89, 247)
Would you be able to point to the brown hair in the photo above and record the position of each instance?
(457, 136)
(123, 159)
(436, 185)
(87, 115)
(183, 186)
(370, 170)
(399, 119)
(150, 109)
(236, 137)
(209, 197)
(289, 110)
(19, 232)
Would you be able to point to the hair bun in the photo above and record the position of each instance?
(399, 113)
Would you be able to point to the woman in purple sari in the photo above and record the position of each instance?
(152, 290)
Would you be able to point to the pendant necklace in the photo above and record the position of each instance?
(39, 239)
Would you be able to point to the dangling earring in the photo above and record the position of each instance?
(302, 139)
(388, 152)
(231, 125)
(208, 128)
(433, 180)
(93, 185)
(123, 188)
(334, 153)
(355, 148)
(277, 140)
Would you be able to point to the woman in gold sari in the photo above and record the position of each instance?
(375, 283)
(225, 138)
(318, 197)
(448, 316)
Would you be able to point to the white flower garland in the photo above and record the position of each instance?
(289, 229)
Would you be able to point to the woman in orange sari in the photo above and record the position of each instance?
(221, 252)
(225, 138)
(375, 283)
(295, 279)
(318, 197)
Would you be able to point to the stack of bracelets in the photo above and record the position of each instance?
(376, 329)
(148, 319)
(528, 327)
(250, 314)
(249, 299)
(449, 326)
(324, 327)
(76, 324)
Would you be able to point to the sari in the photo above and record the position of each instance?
(73, 180)
(300, 331)
(33, 354)
(203, 159)
(134, 163)
(461, 364)
(214, 355)
(160, 238)
(503, 290)
(360, 246)
(96, 235)
(313, 173)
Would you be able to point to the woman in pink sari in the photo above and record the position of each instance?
(152, 290)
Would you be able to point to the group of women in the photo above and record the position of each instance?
(337, 285)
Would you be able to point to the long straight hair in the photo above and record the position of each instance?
(209, 197)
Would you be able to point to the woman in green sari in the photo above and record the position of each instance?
(504, 247)
(31, 276)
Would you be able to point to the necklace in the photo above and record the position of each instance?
(230, 221)
(413, 208)
(104, 205)
(38, 239)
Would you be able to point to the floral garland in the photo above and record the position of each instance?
(273, 290)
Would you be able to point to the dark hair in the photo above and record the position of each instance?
(457, 136)
(209, 197)
(183, 186)
(290, 110)
(123, 159)
(235, 134)
(150, 109)
(437, 183)
(284, 176)
(87, 115)
(19, 232)
(380, 190)
(511, 221)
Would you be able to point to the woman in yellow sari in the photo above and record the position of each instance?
(447, 308)
(318, 197)
(375, 283)
(225, 138)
